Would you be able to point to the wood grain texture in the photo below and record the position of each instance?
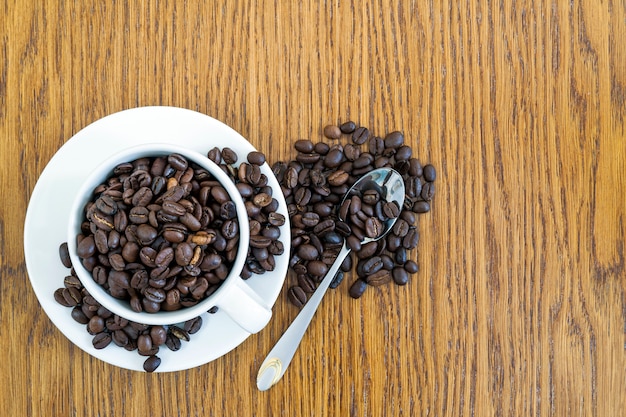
(519, 307)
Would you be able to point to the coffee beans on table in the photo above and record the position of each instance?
(163, 233)
(314, 184)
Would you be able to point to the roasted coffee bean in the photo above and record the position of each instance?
(400, 276)
(256, 158)
(373, 227)
(156, 295)
(276, 219)
(391, 210)
(334, 158)
(360, 135)
(429, 173)
(192, 326)
(86, 247)
(64, 254)
(172, 342)
(101, 340)
(394, 140)
(411, 267)
(378, 278)
(306, 283)
(400, 228)
(95, 325)
(338, 178)
(428, 191)
(324, 227)
(106, 205)
(310, 219)
(372, 265)
(411, 239)
(421, 207)
(304, 146)
(400, 256)
(338, 278)
(357, 288)
(317, 268)
(59, 298)
(152, 363)
(183, 253)
(297, 296)
(332, 132)
(354, 243)
(347, 127)
(376, 146)
(308, 252)
(79, 316)
(229, 156)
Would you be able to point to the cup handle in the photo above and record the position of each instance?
(245, 307)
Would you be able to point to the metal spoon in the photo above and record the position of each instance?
(279, 358)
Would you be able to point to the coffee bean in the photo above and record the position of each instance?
(79, 316)
(192, 326)
(229, 156)
(306, 283)
(421, 207)
(256, 158)
(357, 288)
(304, 146)
(400, 276)
(372, 265)
(411, 267)
(152, 363)
(347, 127)
(297, 296)
(336, 280)
(376, 146)
(64, 254)
(373, 227)
(428, 191)
(101, 340)
(308, 252)
(332, 132)
(106, 205)
(317, 268)
(360, 135)
(394, 140)
(378, 278)
(429, 173)
(411, 239)
(334, 158)
(86, 247)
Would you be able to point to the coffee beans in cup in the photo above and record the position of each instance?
(160, 232)
(179, 189)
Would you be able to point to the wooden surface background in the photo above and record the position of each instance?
(519, 307)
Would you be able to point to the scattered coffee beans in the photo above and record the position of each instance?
(108, 328)
(314, 184)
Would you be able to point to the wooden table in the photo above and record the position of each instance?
(519, 307)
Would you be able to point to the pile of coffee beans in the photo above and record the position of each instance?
(192, 275)
(160, 233)
(314, 184)
(107, 328)
(261, 207)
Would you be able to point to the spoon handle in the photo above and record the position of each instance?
(279, 358)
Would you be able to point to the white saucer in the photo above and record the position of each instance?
(46, 225)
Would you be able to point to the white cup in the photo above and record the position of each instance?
(234, 296)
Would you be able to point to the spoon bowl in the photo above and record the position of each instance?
(390, 187)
